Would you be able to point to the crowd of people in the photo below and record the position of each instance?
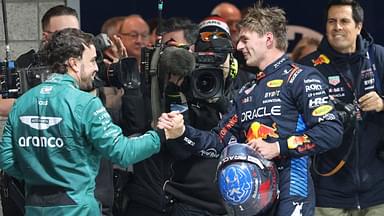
(78, 145)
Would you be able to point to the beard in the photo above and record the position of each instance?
(86, 82)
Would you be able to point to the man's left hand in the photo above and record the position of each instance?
(371, 102)
(267, 150)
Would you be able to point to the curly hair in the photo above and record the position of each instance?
(65, 44)
(267, 19)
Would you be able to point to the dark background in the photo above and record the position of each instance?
(308, 13)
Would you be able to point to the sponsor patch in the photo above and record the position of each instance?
(46, 90)
(334, 80)
(275, 83)
(40, 122)
(322, 59)
(259, 130)
(322, 110)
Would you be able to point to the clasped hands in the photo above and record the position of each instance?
(172, 123)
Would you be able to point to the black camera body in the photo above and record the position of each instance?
(16, 81)
(207, 79)
(9, 80)
(121, 74)
(346, 112)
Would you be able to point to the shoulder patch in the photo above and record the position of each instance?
(293, 73)
(322, 59)
(248, 87)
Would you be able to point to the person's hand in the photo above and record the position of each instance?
(172, 123)
(115, 52)
(121, 50)
(371, 102)
(267, 150)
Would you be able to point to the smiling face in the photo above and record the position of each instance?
(134, 34)
(87, 68)
(341, 29)
(253, 46)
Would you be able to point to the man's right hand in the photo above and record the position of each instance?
(172, 123)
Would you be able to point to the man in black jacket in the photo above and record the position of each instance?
(192, 186)
(145, 190)
(354, 67)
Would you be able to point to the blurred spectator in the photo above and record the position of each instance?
(232, 17)
(152, 23)
(134, 33)
(304, 47)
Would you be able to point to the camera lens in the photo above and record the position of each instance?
(206, 83)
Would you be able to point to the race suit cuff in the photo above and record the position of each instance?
(161, 134)
(180, 139)
(283, 145)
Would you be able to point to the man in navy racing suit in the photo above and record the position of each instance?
(285, 114)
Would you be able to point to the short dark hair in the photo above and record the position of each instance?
(190, 29)
(59, 10)
(65, 44)
(357, 10)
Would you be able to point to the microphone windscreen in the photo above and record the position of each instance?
(177, 61)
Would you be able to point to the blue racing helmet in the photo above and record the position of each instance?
(247, 182)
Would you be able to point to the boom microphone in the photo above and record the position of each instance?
(176, 61)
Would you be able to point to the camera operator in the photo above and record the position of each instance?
(349, 180)
(61, 132)
(232, 16)
(145, 191)
(202, 96)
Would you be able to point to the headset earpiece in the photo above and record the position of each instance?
(234, 67)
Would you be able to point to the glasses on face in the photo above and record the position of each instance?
(135, 35)
(173, 43)
(207, 36)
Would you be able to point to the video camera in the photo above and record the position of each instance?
(16, 81)
(207, 79)
(203, 72)
(121, 74)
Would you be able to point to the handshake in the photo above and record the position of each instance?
(172, 123)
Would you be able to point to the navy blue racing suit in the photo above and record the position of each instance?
(287, 103)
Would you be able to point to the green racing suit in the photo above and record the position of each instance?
(54, 139)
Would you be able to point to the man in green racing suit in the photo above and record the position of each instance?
(56, 134)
